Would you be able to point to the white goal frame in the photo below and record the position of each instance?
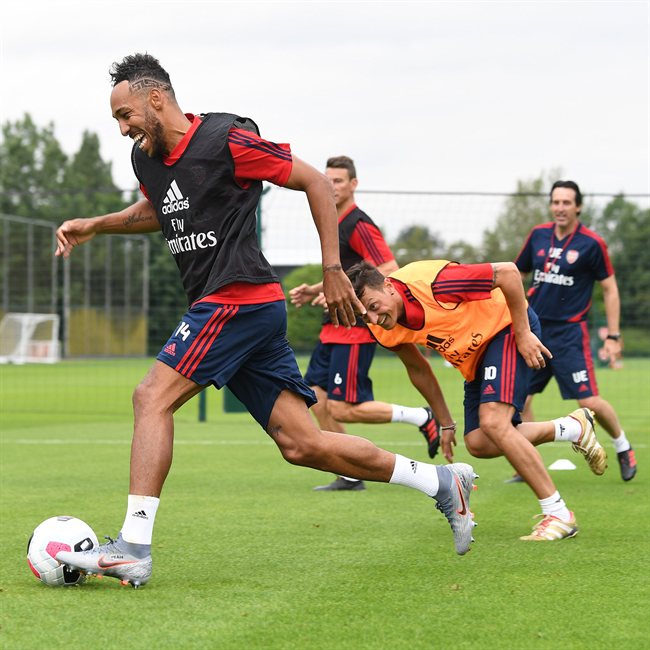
(29, 338)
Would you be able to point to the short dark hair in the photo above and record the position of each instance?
(364, 275)
(343, 162)
(570, 185)
(144, 68)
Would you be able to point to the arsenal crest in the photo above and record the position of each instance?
(572, 256)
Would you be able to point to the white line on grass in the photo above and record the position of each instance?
(261, 441)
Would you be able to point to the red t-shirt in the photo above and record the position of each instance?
(366, 241)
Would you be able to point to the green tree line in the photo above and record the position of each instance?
(38, 180)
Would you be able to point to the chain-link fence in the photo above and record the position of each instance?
(101, 292)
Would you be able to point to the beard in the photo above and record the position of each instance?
(155, 130)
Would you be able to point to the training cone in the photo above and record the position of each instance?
(562, 463)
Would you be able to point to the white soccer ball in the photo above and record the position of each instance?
(54, 535)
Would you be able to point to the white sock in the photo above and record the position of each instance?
(621, 443)
(554, 505)
(139, 520)
(412, 414)
(412, 473)
(567, 429)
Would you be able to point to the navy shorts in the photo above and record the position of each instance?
(572, 364)
(501, 376)
(241, 346)
(342, 369)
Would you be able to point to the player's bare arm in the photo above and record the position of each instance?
(341, 300)
(423, 378)
(612, 301)
(304, 293)
(137, 218)
(508, 279)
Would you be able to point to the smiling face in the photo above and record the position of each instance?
(564, 209)
(136, 115)
(384, 306)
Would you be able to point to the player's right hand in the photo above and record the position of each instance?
(342, 303)
(447, 444)
(72, 233)
(301, 295)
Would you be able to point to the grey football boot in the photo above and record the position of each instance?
(129, 563)
(453, 502)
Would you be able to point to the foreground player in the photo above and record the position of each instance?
(340, 363)
(567, 259)
(477, 318)
(202, 179)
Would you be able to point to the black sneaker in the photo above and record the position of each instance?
(627, 461)
(430, 432)
(341, 484)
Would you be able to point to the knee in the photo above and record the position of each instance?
(301, 454)
(142, 397)
(492, 422)
(475, 444)
(149, 397)
(299, 450)
(472, 447)
(594, 403)
(340, 411)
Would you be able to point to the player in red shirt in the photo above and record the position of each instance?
(203, 195)
(340, 363)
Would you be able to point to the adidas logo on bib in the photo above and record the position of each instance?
(174, 200)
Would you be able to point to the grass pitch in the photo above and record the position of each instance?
(246, 555)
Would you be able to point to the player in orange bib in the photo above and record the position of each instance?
(477, 317)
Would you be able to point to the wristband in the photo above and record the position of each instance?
(613, 337)
(447, 428)
(332, 267)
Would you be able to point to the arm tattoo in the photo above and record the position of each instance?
(273, 431)
(132, 219)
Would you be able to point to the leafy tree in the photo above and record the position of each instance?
(526, 208)
(87, 185)
(416, 243)
(32, 165)
(304, 324)
(462, 252)
(626, 228)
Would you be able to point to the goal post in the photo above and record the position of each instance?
(29, 338)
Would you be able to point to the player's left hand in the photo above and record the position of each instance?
(612, 352)
(533, 350)
(342, 302)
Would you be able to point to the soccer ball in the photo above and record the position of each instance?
(54, 535)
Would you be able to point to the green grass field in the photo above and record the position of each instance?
(246, 555)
